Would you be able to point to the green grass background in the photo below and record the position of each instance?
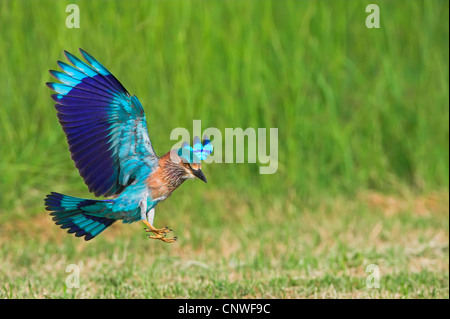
(363, 125)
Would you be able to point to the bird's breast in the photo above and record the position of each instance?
(158, 186)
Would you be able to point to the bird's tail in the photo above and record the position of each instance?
(82, 217)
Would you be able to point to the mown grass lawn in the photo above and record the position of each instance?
(278, 251)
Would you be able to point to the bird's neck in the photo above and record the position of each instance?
(166, 177)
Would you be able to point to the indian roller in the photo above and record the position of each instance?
(108, 139)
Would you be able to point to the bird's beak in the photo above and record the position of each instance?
(198, 173)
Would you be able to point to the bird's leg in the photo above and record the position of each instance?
(149, 222)
(160, 233)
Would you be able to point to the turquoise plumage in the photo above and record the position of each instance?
(107, 133)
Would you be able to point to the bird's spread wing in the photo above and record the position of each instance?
(105, 126)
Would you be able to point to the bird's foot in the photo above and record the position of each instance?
(160, 233)
(164, 239)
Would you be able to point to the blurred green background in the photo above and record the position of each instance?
(358, 111)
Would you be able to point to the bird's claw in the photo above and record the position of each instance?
(160, 233)
(164, 239)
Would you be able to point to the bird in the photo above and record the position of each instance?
(107, 134)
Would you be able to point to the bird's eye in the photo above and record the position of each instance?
(195, 166)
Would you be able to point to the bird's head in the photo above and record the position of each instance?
(188, 158)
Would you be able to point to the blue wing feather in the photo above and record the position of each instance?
(103, 71)
(105, 126)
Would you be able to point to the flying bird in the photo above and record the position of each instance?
(108, 139)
